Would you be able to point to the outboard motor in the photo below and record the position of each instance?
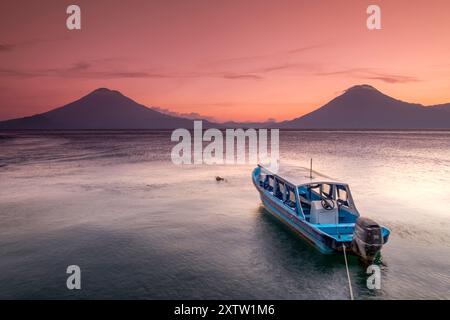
(367, 239)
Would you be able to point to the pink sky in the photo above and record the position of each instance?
(227, 59)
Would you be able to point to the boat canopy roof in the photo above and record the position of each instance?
(298, 176)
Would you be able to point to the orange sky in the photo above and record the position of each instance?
(227, 59)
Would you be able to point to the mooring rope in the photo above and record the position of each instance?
(348, 274)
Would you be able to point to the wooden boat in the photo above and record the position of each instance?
(320, 210)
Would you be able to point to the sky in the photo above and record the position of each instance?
(243, 60)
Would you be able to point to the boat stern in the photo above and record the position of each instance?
(368, 238)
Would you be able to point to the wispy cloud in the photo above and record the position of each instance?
(9, 72)
(393, 78)
(372, 74)
(228, 69)
(91, 70)
(256, 67)
(279, 55)
(57, 72)
(233, 76)
(285, 66)
(6, 47)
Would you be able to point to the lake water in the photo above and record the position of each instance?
(140, 227)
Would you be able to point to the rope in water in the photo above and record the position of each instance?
(348, 274)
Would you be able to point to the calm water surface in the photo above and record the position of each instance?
(140, 227)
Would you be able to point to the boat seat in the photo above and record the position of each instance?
(279, 195)
(266, 186)
(290, 204)
(318, 215)
(305, 200)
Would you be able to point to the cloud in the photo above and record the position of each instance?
(96, 68)
(123, 74)
(6, 47)
(92, 70)
(394, 78)
(190, 115)
(284, 66)
(7, 72)
(82, 65)
(168, 75)
(55, 72)
(349, 71)
(278, 54)
(371, 74)
(241, 76)
(100, 69)
(254, 67)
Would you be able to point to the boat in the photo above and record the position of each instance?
(319, 209)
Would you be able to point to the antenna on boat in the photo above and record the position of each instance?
(310, 169)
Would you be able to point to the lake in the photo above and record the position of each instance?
(140, 227)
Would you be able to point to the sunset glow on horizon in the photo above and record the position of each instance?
(225, 60)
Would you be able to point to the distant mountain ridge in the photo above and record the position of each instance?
(101, 109)
(364, 107)
(359, 107)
